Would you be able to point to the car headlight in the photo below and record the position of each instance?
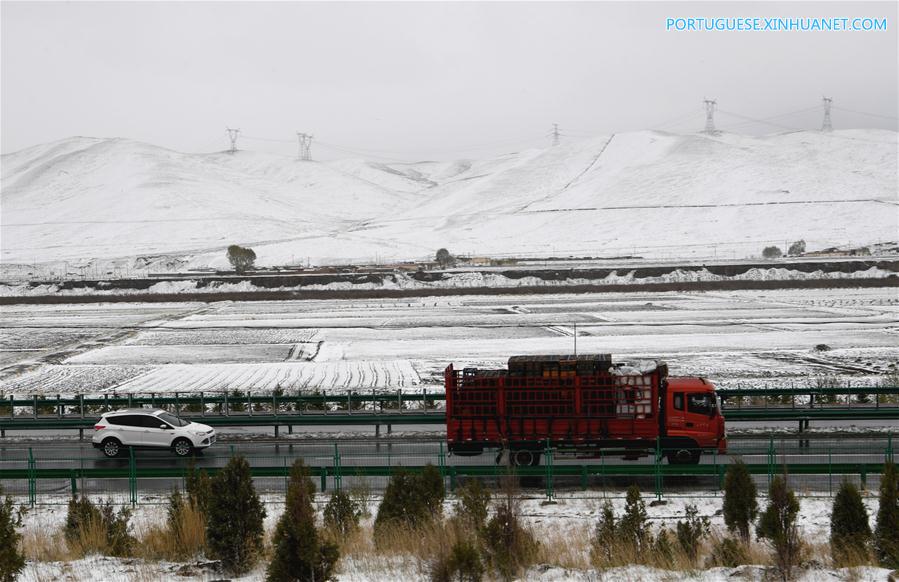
(198, 432)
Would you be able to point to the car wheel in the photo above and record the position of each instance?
(182, 447)
(112, 447)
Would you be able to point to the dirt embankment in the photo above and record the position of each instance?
(264, 295)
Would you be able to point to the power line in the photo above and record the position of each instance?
(864, 113)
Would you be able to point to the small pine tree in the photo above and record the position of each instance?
(299, 553)
(886, 531)
(473, 505)
(510, 546)
(234, 519)
(692, 531)
(462, 564)
(778, 526)
(432, 489)
(411, 500)
(198, 487)
(633, 526)
(849, 529)
(12, 561)
(740, 500)
(604, 536)
(342, 513)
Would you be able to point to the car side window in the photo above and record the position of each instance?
(678, 400)
(699, 403)
(125, 420)
(151, 421)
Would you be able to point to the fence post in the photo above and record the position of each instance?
(32, 489)
(657, 469)
(337, 476)
(74, 483)
(771, 455)
(132, 476)
(441, 461)
(830, 470)
(548, 453)
(324, 478)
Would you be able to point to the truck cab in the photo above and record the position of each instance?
(692, 420)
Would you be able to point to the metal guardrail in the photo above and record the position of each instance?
(389, 408)
(44, 478)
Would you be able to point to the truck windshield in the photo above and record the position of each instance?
(703, 403)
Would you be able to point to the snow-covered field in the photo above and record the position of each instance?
(116, 204)
(571, 513)
(736, 338)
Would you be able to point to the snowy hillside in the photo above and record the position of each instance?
(653, 193)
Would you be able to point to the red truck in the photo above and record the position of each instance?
(583, 404)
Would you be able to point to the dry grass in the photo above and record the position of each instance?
(41, 545)
(91, 539)
(183, 540)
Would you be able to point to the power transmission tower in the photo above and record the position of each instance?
(232, 135)
(710, 115)
(305, 145)
(555, 134)
(827, 125)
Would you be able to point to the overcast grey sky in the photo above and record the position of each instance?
(425, 80)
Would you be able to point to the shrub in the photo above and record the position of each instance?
(633, 527)
(510, 546)
(778, 526)
(234, 520)
(797, 248)
(849, 529)
(299, 553)
(886, 531)
(463, 564)
(692, 531)
(241, 258)
(11, 559)
(90, 528)
(411, 500)
(342, 513)
(772, 252)
(728, 552)
(740, 500)
(185, 528)
(473, 505)
(444, 258)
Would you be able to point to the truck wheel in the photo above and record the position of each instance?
(524, 458)
(684, 457)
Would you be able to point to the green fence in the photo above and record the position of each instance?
(48, 475)
(394, 408)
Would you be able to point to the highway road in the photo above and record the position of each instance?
(394, 452)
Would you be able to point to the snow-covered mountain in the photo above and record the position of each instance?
(655, 193)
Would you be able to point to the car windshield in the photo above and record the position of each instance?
(172, 419)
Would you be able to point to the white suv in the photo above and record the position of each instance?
(146, 428)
